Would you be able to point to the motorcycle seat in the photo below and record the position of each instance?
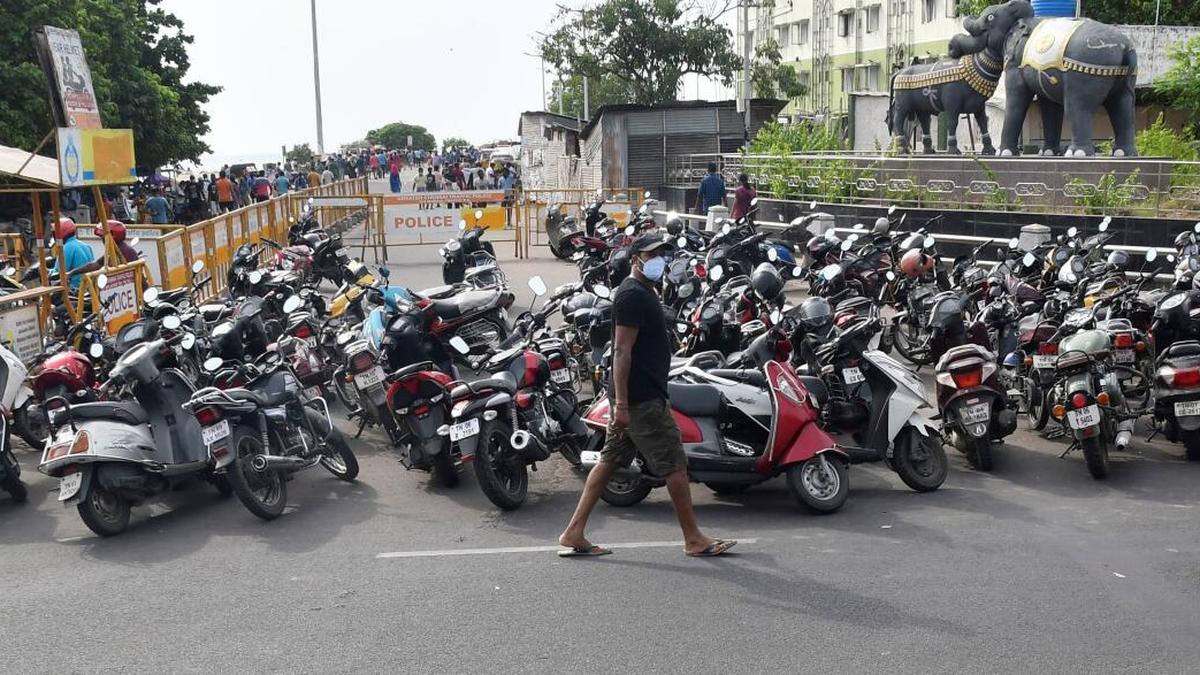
(262, 398)
(440, 292)
(464, 303)
(1182, 349)
(127, 412)
(745, 375)
(173, 296)
(501, 382)
(698, 400)
(816, 387)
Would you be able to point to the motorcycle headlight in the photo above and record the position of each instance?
(686, 290)
(710, 312)
(453, 245)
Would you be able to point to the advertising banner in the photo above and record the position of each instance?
(72, 77)
(95, 156)
(435, 216)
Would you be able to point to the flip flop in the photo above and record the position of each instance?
(715, 549)
(578, 552)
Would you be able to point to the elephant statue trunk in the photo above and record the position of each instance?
(962, 45)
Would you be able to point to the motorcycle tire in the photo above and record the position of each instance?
(444, 470)
(15, 488)
(246, 481)
(1095, 455)
(920, 460)
(34, 435)
(503, 477)
(821, 485)
(979, 453)
(906, 347)
(103, 512)
(1191, 444)
(1039, 408)
(625, 493)
(339, 459)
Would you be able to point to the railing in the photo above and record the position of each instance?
(1137, 186)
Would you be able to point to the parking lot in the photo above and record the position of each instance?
(1034, 566)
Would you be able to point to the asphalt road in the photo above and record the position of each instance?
(1033, 567)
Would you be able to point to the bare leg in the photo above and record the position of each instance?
(597, 478)
(680, 490)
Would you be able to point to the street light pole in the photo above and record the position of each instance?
(317, 81)
(746, 39)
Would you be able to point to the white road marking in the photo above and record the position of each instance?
(533, 549)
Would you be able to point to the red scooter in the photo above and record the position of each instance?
(741, 427)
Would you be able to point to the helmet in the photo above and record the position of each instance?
(916, 263)
(881, 225)
(815, 314)
(65, 229)
(766, 282)
(675, 225)
(115, 227)
(820, 246)
(1119, 259)
(1183, 239)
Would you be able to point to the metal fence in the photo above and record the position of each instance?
(1134, 186)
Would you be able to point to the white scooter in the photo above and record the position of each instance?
(16, 397)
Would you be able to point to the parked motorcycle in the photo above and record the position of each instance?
(972, 402)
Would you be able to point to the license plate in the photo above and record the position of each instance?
(215, 433)
(311, 341)
(464, 430)
(560, 376)
(69, 485)
(370, 378)
(852, 375)
(1123, 356)
(1084, 417)
(589, 457)
(1187, 408)
(1043, 361)
(974, 414)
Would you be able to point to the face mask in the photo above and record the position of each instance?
(653, 268)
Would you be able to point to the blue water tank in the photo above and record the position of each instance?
(1053, 7)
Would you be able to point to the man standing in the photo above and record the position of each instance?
(282, 184)
(640, 420)
(158, 208)
(314, 178)
(225, 193)
(75, 253)
(711, 192)
(326, 176)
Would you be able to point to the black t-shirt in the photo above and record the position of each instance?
(638, 305)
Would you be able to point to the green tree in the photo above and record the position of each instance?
(1180, 85)
(1179, 13)
(771, 77)
(647, 45)
(456, 142)
(395, 135)
(137, 53)
(301, 154)
(601, 91)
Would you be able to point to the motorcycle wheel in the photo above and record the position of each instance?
(1039, 406)
(103, 512)
(1095, 455)
(33, 433)
(263, 493)
(444, 470)
(338, 459)
(979, 453)
(503, 477)
(920, 461)
(820, 484)
(625, 492)
(15, 488)
(907, 340)
(1191, 444)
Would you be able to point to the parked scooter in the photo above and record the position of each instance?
(10, 469)
(972, 403)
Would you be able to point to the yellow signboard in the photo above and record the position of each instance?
(95, 156)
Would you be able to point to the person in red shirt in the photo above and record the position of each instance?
(742, 197)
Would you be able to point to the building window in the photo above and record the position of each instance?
(847, 80)
(802, 32)
(781, 35)
(928, 10)
(846, 24)
(872, 78)
(873, 19)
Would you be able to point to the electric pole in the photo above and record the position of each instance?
(317, 81)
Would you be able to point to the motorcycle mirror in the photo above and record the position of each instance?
(1151, 255)
(1013, 244)
(291, 220)
(601, 291)
(716, 273)
(462, 225)
(681, 327)
(102, 281)
(646, 194)
(902, 217)
(1171, 258)
(96, 350)
(629, 230)
(776, 316)
(171, 322)
(1196, 228)
(930, 241)
(725, 229)
(797, 272)
(198, 267)
(292, 304)
(852, 238)
(812, 206)
(188, 341)
(891, 276)
(537, 285)
(754, 202)
(9, 271)
(150, 295)
(891, 209)
(846, 245)
(478, 215)
(384, 272)
(459, 345)
(1105, 223)
(772, 254)
(681, 242)
(1028, 260)
(255, 277)
(1073, 231)
(213, 364)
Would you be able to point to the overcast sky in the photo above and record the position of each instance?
(458, 68)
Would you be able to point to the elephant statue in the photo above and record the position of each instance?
(958, 85)
(1073, 66)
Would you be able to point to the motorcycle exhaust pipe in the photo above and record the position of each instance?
(277, 463)
(520, 440)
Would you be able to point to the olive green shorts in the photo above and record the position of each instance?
(653, 434)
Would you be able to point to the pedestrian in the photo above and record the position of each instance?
(282, 184)
(394, 172)
(225, 194)
(262, 187)
(327, 176)
(507, 182)
(742, 197)
(711, 192)
(314, 178)
(641, 423)
(158, 208)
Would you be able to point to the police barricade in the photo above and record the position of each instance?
(119, 301)
(534, 206)
(423, 218)
(24, 316)
(13, 249)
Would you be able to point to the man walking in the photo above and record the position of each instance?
(711, 192)
(640, 420)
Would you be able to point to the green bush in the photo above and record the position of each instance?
(1109, 197)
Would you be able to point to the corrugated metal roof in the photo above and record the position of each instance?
(38, 169)
(774, 105)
